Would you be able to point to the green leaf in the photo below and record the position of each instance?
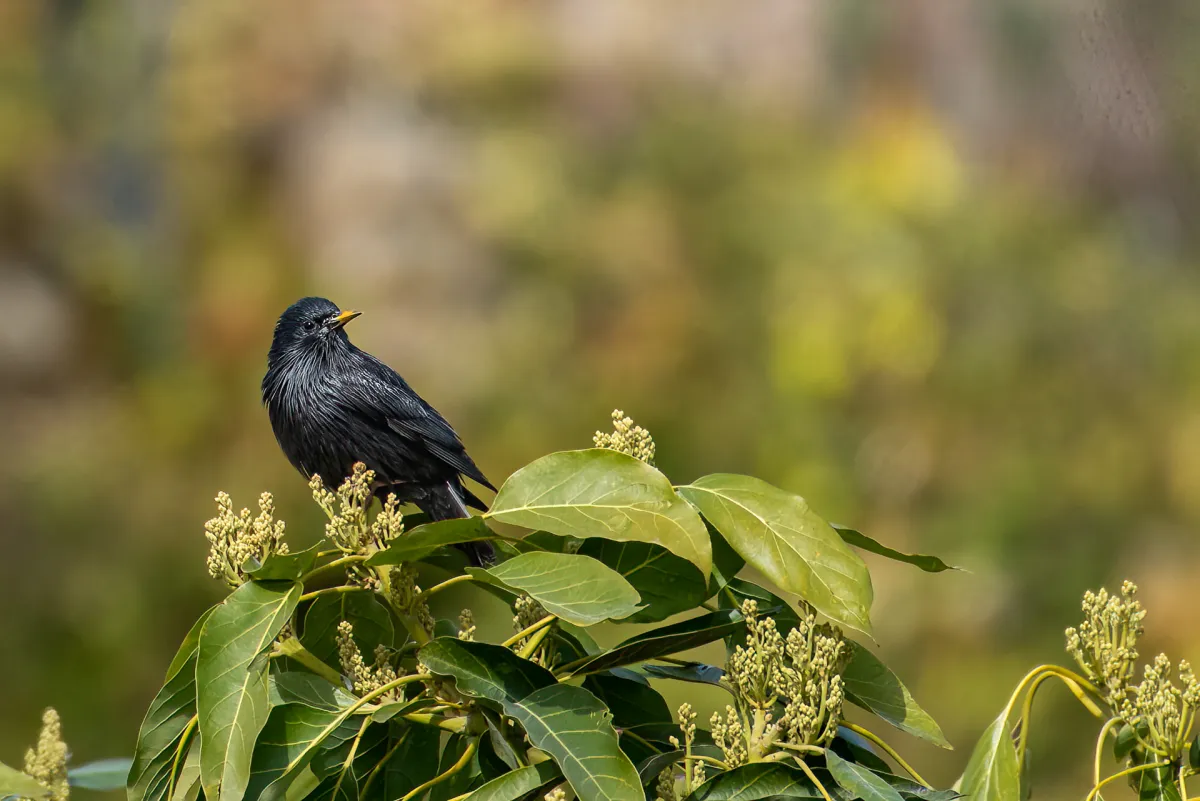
(386, 712)
(233, 701)
(423, 540)
(1194, 753)
(1158, 784)
(517, 784)
(575, 728)
(603, 493)
(861, 782)
(290, 729)
(482, 670)
(738, 590)
(341, 782)
(187, 784)
(664, 641)
(649, 768)
(756, 781)
(165, 722)
(284, 567)
(871, 685)
(465, 780)
(667, 584)
(777, 533)
(631, 703)
(373, 625)
(726, 561)
(930, 564)
(414, 761)
(14, 782)
(103, 774)
(579, 589)
(300, 687)
(993, 773)
(694, 672)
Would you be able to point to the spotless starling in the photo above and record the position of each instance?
(332, 405)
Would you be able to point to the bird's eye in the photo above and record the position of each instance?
(309, 325)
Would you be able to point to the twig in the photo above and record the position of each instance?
(870, 735)
(455, 768)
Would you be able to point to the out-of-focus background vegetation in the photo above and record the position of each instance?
(932, 264)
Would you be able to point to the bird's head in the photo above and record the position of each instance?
(309, 326)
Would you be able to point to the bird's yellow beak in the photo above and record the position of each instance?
(344, 317)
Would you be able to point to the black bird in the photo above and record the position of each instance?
(332, 405)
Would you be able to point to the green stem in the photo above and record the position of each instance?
(1104, 730)
(308, 596)
(450, 582)
(350, 757)
(525, 632)
(455, 725)
(379, 767)
(534, 643)
(1127, 772)
(1026, 714)
(813, 778)
(801, 749)
(455, 768)
(336, 563)
(294, 649)
(183, 741)
(1182, 782)
(887, 749)
(642, 740)
(710, 761)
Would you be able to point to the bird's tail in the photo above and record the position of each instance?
(446, 503)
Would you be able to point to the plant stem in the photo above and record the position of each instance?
(802, 749)
(1026, 714)
(1127, 772)
(183, 741)
(534, 643)
(350, 757)
(523, 633)
(308, 596)
(710, 760)
(450, 582)
(292, 647)
(345, 560)
(639, 738)
(455, 725)
(455, 768)
(1100, 747)
(813, 778)
(887, 749)
(375, 771)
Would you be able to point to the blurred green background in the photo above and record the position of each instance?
(931, 264)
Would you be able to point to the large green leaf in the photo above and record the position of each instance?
(517, 784)
(344, 769)
(992, 773)
(423, 540)
(373, 625)
(22, 785)
(103, 774)
(668, 584)
(233, 701)
(633, 704)
(1158, 784)
(694, 672)
(738, 591)
(756, 781)
(726, 561)
(166, 720)
(187, 784)
(664, 641)
(777, 533)
(579, 589)
(413, 762)
(575, 728)
(300, 687)
(289, 731)
(603, 493)
(930, 564)
(861, 783)
(469, 777)
(482, 670)
(284, 567)
(871, 685)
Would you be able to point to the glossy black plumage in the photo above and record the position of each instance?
(332, 404)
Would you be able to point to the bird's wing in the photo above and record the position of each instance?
(379, 392)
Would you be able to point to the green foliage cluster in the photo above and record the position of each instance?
(1148, 726)
(324, 674)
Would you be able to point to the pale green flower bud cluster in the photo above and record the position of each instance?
(693, 769)
(1168, 711)
(803, 673)
(364, 678)
(1104, 645)
(347, 509)
(527, 611)
(236, 538)
(47, 762)
(559, 793)
(664, 787)
(627, 438)
(466, 625)
(405, 596)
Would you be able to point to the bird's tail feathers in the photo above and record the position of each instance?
(447, 503)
